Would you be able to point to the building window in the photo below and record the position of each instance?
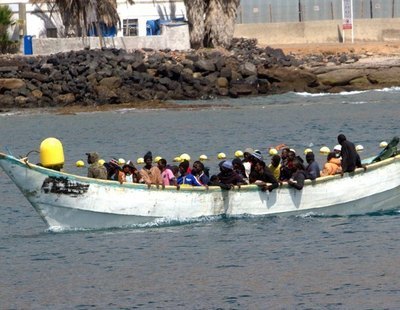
(130, 27)
(51, 32)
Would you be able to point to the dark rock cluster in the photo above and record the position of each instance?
(96, 77)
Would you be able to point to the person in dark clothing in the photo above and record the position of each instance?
(228, 176)
(299, 175)
(239, 168)
(287, 168)
(350, 158)
(312, 168)
(262, 173)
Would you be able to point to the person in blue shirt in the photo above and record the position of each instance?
(187, 177)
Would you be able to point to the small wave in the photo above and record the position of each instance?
(162, 222)
(344, 93)
(355, 102)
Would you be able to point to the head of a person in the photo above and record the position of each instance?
(259, 166)
(183, 167)
(284, 153)
(341, 138)
(275, 160)
(247, 153)
(148, 158)
(337, 148)
(126, 168)
(162, 163)
(291, 155)
(113, 165)
(310, 157)
(226, 166)
(237, 164)
(175, 170)
(330, 156)
(255, 157)
(92, 157)
(297, 165)
(198, 167)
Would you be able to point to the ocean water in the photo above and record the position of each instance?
(246, 263)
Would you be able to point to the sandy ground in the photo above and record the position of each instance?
(383, 49)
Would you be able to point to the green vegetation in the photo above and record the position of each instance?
(6, 20)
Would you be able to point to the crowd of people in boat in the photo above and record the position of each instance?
(252, 169)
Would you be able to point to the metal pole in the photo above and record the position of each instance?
(370, 7)
(392, 8)
(300, 13)
(362, 8)
(270, 13)
(333, 17)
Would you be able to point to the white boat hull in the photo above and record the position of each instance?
(74, 202)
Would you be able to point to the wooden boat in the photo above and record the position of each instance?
(69, 201)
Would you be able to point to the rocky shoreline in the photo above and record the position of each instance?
(149, 79)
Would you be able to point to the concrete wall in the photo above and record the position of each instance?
(172, 37)
(328, 31)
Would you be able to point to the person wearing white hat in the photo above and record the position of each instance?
(337, 149)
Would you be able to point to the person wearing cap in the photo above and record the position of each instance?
(337, 149)
(150, 174)
(228, 176)
(95, 170)
(312, 168)
(332, 165)
(262, 173)
(350, 158)
(113, 169)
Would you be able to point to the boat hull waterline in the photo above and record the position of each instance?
(67, 201)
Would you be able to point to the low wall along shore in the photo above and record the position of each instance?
(175, 37)
(328, 31)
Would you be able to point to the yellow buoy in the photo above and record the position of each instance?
(157, 159)
(101, 161)
(221, 155)
(177, 159)
(307, 151)
(238, 154)
(324, 150)
(51, 153)
(140, 160)
(203, 157)
(359, 148)
(121, 161)
(185, 156)
(80, 163)
(272, 151)
(383, 144)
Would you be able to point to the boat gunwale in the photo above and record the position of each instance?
(249, 187)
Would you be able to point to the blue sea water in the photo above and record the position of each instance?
(247, 263)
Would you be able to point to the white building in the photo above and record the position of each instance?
(39, 21)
